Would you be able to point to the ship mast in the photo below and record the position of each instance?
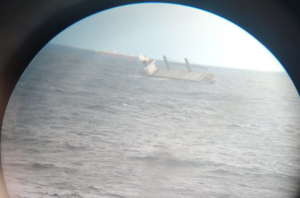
(167, 63)
(188, 65)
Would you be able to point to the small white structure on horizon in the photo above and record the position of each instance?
(144, 58)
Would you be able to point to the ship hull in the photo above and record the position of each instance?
(151, 70)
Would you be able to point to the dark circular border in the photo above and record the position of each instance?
(27, 26)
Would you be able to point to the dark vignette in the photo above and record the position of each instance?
(27, 26)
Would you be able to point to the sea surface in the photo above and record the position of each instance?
(82, 125)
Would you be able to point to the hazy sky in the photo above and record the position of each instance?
(176, 31)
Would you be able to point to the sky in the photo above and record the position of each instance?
(176, 31)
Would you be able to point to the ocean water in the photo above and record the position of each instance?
(81, 125)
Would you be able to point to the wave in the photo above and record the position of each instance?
(74, 147)
(71, 195)
(94, 188)
(108, 108)
(222, 173)
(249, 172)
(235, 126)
(277, 176)
(32, 150)
(6, 138)
(130, 106)
(208, 109)
(255, 125)
(154, 78)
(35, 166)
(97, 107)
(113, 195)
(62, 186)
(40, 166)
(13, 164)
(166, 159)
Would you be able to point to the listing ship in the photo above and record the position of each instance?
(151, 70)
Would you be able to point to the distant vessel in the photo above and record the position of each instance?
(114, 54)
(150, 69)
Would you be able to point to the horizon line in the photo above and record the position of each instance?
(53, 43)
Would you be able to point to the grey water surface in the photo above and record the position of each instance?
(82, 125)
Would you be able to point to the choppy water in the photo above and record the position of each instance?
(81, 125)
